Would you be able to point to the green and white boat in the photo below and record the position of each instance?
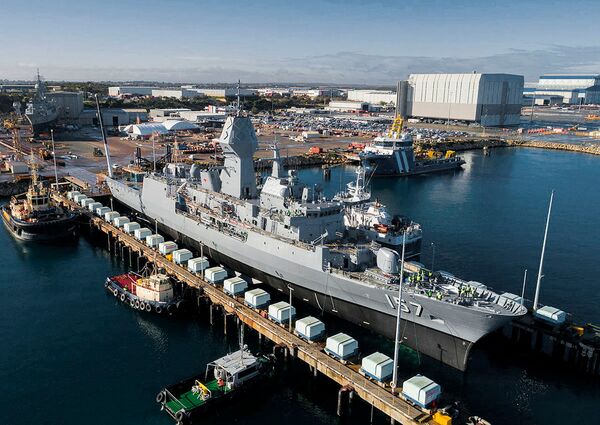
(224, 379)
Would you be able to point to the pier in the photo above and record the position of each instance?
(347, 376)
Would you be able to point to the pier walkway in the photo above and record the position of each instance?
(381, 398)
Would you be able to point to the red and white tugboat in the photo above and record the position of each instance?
(152, 293)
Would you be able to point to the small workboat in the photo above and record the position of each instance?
(155, 292)
(224, 379)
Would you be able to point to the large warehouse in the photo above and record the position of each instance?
(574, 88)
(490, 99)
(376, 97)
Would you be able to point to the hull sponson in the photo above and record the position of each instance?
(433, 328)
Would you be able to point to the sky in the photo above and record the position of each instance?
(327, 41)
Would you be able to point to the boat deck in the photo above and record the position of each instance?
(125, 281)
(190, 401)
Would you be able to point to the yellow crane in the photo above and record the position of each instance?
(12, 124)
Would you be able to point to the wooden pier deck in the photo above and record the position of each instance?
(381, 398)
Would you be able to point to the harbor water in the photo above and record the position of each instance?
(72, 354)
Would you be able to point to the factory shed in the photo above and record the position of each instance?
(177, 125)
(146, 130)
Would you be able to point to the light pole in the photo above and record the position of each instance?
(398, 314)
(54, 158)
(290, 316)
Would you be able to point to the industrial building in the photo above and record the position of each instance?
(375, 97)
(489, 99)
(348, 106)
(177, 93)
(575, 89)
(123, 91)
(113, 117)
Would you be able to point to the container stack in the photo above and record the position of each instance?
(196, 265)
(310, 328)
(377, 366)
(153, 240)
(235, 286)
(120, 221)
(131, 227)
(110, 216)
(142, 233)
(94, 206)
(215, 275)
(182, 256)
(101, 211)
(166, 248)
(341, 346)
(282, 312)
(257, 298)
(421, 390)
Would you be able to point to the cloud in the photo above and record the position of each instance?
(337, 68)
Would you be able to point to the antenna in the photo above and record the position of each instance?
(106, 151)
(539, 277)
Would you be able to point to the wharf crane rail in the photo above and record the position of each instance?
(393, 406)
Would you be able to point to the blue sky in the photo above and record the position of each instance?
(330, 41)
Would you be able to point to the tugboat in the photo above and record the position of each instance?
(153, 293)
(224, 379)
(33, 216)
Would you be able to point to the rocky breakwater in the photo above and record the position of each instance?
(589, 148)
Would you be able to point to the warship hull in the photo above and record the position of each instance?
(45, 231)
(39, 126)
(442, 331)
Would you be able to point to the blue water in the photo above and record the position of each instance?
(71, 354)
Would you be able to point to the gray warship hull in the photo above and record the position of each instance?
(440, 330)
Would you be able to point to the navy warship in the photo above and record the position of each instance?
(287, 233)
(40, 111)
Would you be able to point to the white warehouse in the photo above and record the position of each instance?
(491, 99)
(375, 97)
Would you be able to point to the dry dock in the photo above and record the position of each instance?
(350, 380)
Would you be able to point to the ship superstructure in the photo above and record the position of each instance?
(372, 217)
(288, 233)
(40, 111)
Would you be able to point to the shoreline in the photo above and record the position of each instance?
(476, 144)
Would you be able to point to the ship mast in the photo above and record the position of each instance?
(540, 275)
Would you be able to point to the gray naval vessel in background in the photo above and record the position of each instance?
(288, 233)
(41, 112)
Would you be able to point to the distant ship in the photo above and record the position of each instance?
(287, 234)
(393, 155)
(34, 217)
(40, 111)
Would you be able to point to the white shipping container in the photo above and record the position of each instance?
(235, 286)
(142, 234)
(100, 211)
(111, 215)
(421, 390)
(94, 206)
(378, 366)
(153, 240)
(215, 275)
(120, 221)
(310, 328)
(257, 298)
(196, 265)
(78, 197)
(181, 256)
(551, 314)
(282, 312)
(71, 194)
(131, 227)
(341, 346)
(86, 202)
(165, 248)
